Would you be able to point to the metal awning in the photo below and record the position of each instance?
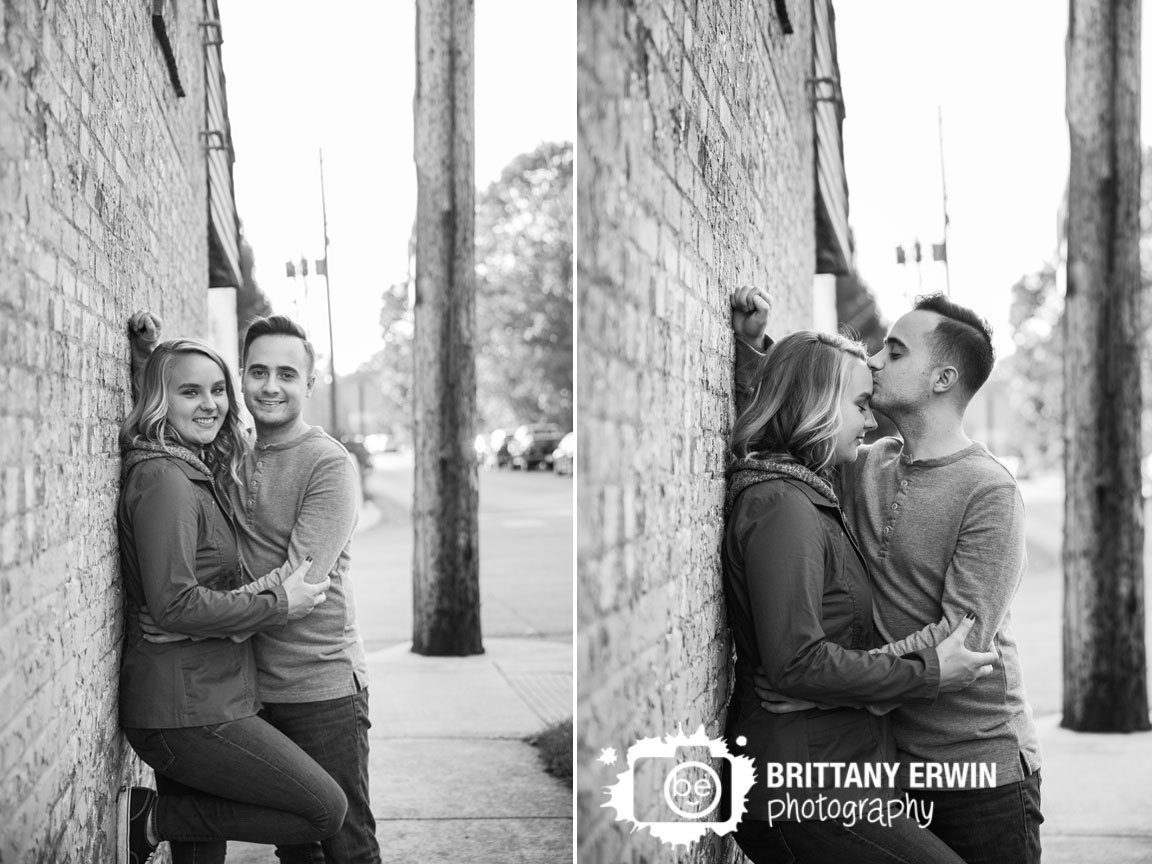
(223, 226)
(833, 245)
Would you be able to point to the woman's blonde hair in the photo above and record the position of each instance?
(148, 419)
(794, 415)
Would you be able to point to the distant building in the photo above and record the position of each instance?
(709, 156)
(115, 195)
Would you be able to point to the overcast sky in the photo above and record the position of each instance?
(996, 71)
(302, 76)
(340, 75)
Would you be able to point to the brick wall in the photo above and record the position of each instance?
(102, 211)
(695, 175)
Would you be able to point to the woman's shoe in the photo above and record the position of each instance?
(133, 808)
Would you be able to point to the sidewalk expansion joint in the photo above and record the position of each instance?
(548, 694)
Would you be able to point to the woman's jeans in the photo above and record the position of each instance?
(240, 780)
(900, 842)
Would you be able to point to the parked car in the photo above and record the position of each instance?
(564, 456)
(532, 445)
(496, 453)
(380, 442)
(480, 445)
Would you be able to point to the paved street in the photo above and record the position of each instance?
(525, 555)
(1037, 613)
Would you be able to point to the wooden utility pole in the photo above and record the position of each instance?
(1105, 674)
(446, 563)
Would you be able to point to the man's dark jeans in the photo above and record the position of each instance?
(335, 734)
(990, 826)
(900, 842)
(240, 780)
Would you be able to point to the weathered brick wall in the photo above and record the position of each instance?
(102, 211)
(695, 175)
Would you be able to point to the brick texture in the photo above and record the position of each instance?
(102, 212)
(695, 175)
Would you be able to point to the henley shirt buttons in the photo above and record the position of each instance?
(895, 506)
(887, 529)
(903, 483)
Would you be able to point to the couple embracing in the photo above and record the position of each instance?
(243, 681)
(854, 576)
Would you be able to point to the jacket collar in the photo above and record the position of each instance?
(191, 471)
(813, 496)
(748, 471)
(189, 462)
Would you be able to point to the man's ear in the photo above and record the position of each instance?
(311, 384)
(944, 379)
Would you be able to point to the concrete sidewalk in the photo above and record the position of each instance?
(1096, 792)
(1096, 796)
(452, 778)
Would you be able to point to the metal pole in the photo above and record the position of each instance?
(363, 424)
(944, 192)
(335, 431)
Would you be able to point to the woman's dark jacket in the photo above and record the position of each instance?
(800, 606)
(178, 558)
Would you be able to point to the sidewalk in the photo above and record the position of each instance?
(1096, 796)
(451, 777)
(1096, 792)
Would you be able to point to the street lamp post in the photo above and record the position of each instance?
(328, 298)
(321, 270)
(939, 250)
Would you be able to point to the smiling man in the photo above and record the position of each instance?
(298, 496)
(941, 525)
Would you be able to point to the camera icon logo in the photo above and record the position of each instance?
(680, 787)
(688, 787)
(699, 795)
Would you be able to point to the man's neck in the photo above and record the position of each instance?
(932, 435)
(269, 435)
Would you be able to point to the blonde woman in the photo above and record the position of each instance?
(188, 707)
(800, 607)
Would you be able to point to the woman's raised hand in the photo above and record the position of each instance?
(750, 308)
(959, 667)
(303, 596)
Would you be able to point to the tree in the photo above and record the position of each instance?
(392, 368)
(1105, 676)
(524, 291)
(446, 561)
(1036, 368)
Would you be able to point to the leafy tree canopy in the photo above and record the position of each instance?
(523, 301)
(524, 291)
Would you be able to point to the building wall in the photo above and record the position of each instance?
(696, 173)
(102, 212)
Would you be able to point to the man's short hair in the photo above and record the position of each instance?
(962, 339)
(278, 325)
